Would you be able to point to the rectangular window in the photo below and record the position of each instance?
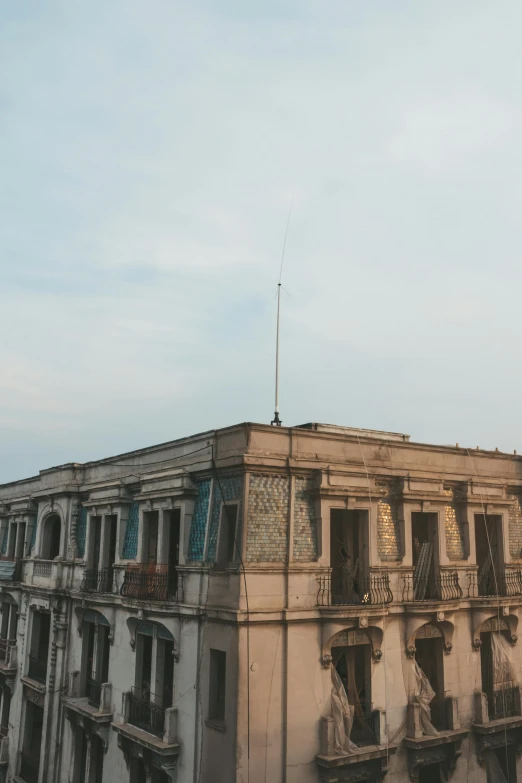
(227, 550)
(217, 685)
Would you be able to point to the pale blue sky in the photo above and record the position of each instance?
(149, 153)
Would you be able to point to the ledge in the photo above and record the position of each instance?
(149, 741)
(368, 753)
(33, 684)
(430, 741)
(497, 725)
(217, 725)
(81, 705)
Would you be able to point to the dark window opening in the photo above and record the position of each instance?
(151, 532)
(348, 557)
(39, 646)
(30, 762)
(424, 535)
(227, 550)
(489, 555)
(217, 685)
(429, 656)
(506, 757)
(431, 773)
(353, 664)
(501, 694)
(51, 537)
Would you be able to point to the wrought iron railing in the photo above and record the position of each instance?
(338, 589)
(93, 691)
(3, 731)
(503, 582)
(147, 711)
(37, 669)
(444, 587)
(29, 768)
(98, 581)
(503, 703)
(152, 583)
(5, 644)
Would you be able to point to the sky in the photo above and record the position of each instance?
(149, 156)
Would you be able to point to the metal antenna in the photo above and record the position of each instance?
(277, 421)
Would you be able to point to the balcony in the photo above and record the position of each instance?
(505, 582)
(152, 583)
(37, 670)
(338, 589)
(93, 702)
(147, 711)
(8, 655)
(444, 587)
(98, 581)
(47, 573)
(10, 569)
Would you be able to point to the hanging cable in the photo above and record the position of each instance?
(497, 593)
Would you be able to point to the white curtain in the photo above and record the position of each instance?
(342, 713)
(423, 694)
(493, 768)
(503, 674)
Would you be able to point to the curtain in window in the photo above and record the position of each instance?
(342, 713)
(423, 694)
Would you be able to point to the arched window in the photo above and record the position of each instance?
(51, 537)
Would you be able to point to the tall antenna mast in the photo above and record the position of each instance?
(277, 421)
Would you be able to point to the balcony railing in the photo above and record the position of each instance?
(93, 690)
(503, 582)
(152, 583)
(5, 645)
(444, 587)
(3, 731)
(98, 581)
(503, 703)
(147, 711)
(339, 589)
(37, 669)
(29, 768)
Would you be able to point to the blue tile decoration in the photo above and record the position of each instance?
(305, 529)
(81, 531)
(130, 545)
(268, 506)
(232, 487)
(199, 521)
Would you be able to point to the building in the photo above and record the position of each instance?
(264, 604)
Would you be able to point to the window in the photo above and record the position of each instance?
(95, 656)
(227, 550)
(39, 649)
(51, 537)
(217, 685)
(30, 763)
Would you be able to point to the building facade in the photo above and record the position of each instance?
(261, 604)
